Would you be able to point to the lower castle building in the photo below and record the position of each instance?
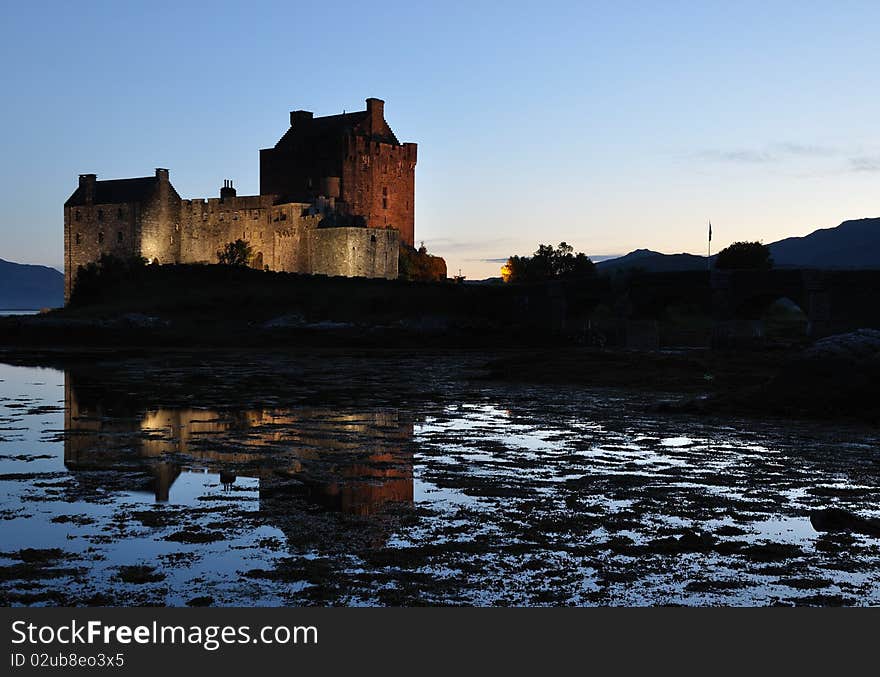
(337, 198)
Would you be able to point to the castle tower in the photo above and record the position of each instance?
(355, 155)
(160, 222)
(122, 218)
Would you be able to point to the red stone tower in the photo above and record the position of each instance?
(354, 158)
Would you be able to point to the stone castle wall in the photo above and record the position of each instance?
(283, 237)
(355, 252)
(378, 182)
(274, 232)
(93, 230)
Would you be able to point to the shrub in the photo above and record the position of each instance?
(238, 253)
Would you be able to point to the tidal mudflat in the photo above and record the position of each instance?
(386, 480)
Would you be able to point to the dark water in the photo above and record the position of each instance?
(365, 482)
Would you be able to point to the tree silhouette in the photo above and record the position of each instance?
(744, 256)
(548, 263)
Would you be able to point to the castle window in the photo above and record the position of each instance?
(372, 238)
(120, 214)
(78, 238)
(100, 235)
(384, 190)
(119, 236)
(384, 203)
(256, 215)
(235, 216)
(100, 215)
(77, 215)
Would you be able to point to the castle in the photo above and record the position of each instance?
(337, 197)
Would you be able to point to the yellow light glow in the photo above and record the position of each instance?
(506, 272)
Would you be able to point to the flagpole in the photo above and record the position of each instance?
(709, 250)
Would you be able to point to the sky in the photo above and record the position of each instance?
(611, 126)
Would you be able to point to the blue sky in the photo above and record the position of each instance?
(611, 126)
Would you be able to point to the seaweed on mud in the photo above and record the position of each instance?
(139, 574)
(518, 494)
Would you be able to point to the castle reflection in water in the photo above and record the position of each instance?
(355, 462)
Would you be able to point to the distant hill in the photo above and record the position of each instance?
(852, 244)
(652, 262)
(27, 287)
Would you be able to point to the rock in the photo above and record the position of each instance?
(291, 321)
(859, 345)
(837, 377)
(838, 519)
(141, 321)
(205, 600)
(689, 541)
(297, 321)
(693, 541)
(139, 574)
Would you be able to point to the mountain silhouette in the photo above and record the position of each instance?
(851, 245)
(27, 287)
(649, 261)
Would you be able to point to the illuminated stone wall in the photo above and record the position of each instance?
(283, 237)
(355, 252)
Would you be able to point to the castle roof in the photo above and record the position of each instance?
(115, 191)
(318, 130)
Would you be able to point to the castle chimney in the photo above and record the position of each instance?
(330, 186)
(162, 175)
(227, 191)
(376, 111)
(87, 183)
(300, 116)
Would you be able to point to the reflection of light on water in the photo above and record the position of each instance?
(512, 488)
(425, 492)
(677, 442)
(785, 529)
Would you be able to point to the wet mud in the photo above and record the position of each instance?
(376, 479)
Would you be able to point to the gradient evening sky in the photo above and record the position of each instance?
(611, 126)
